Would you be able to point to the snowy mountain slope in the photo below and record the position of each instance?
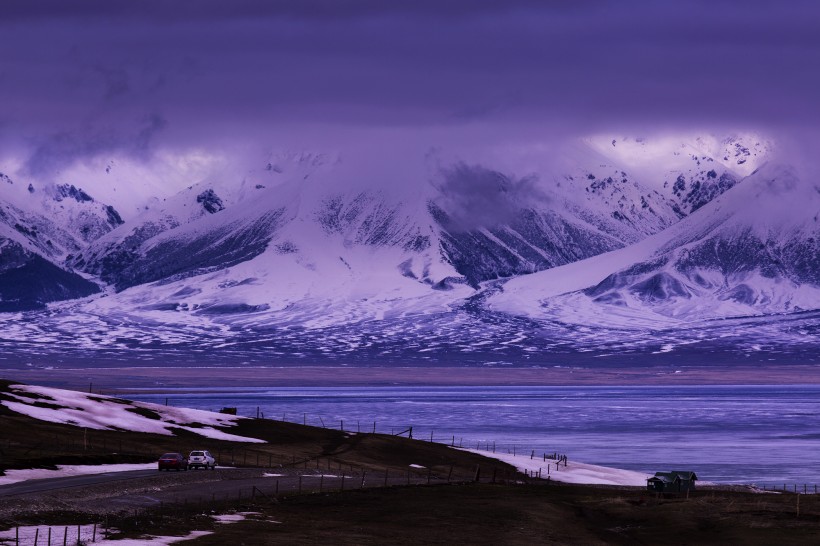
(314, 259)
(535, 240)
(752, 250)
(187, 236)
(687, 170)
(54, 220)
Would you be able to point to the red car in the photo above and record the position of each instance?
(175, 461)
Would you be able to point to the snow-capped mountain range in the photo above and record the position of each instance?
(619, 233)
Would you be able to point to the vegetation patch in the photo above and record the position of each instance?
(122, 401)
(32, 395)
(145, 412)
(50, 406)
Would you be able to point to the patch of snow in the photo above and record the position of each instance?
(65, 470)
(233, 518)
(102, 412)
(574, 472)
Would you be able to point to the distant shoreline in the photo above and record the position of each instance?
(158, 378)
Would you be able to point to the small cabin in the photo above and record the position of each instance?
(229, 411)
(676, 481)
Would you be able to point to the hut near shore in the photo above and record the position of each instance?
(676, 481)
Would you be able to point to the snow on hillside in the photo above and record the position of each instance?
(97, 411)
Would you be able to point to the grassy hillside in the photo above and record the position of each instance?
(26, 442)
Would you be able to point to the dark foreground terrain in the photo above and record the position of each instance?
(482, 513)
(508, 514)
(395, 491)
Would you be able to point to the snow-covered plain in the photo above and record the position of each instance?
(97, 411)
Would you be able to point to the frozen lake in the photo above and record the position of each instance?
(767, 435)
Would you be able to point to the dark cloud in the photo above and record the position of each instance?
(476, 197)
(59, 150)
(248, 69)
(116, 81)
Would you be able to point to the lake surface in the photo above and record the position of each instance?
(766, 435)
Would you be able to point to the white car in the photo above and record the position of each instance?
(202, 459)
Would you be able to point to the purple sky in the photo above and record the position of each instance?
(93, 77)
